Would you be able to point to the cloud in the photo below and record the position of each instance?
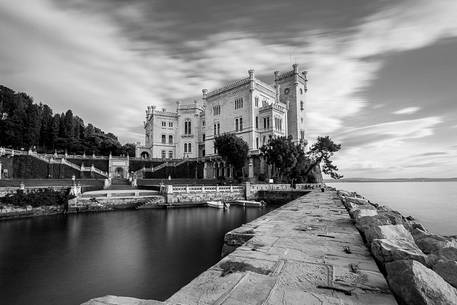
(101, 63)
(408, 110)
(391, 131)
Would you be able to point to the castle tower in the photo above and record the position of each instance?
(293, 88)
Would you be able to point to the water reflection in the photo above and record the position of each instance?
(147, 254)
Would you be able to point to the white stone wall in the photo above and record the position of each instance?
(281, 100)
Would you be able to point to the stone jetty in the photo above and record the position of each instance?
(305, 252)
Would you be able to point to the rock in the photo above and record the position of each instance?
(115, 300)
(447, 270)
(415, 284)
(430, 243)
(362, 212)
(359, 201)
(449, 253)
(391, 232)
(385, 251)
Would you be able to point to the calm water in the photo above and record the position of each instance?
(146, 254)
(434, 204)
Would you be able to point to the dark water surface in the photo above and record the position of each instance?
(146, 254)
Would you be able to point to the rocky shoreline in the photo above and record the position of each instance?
(420, 267)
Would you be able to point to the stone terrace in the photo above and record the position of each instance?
(306, 252)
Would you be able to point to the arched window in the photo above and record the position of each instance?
(185, 147)
(189, 147)
(301, 105)
(164, 139)
(170, 139)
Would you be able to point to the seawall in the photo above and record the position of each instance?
(305, 252)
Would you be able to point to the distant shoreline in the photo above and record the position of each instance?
(392, 180)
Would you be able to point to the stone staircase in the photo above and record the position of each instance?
(120, 184)
(68, 163)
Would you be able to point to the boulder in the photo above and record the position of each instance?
(449, 253)
(391, 232)
(447, 270)
(363, 212)
(414, 284)
(359, 201)
(363, 223)
(430, 243)
(385, 250)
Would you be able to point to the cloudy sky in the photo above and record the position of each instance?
(382, 74)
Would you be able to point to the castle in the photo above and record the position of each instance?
(249, 108)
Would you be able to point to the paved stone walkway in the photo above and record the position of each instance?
(306, 252)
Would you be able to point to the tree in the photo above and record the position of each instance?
(128, 149)
(283, 154)
(233, 150)
(322, 151)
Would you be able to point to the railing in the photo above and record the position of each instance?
(203, 189)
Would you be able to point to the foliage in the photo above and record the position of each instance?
(232, 149)
(45, 197)
(283, 154)
(25, 124)
(290, 160)
(322, 151)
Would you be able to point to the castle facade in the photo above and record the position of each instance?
(249, 108)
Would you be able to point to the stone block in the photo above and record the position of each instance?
(115, 300)
(359, 201)
(447, 270)
(430, 243)
(359, 213)
(390, 232)
(415, 284)
(385, 250)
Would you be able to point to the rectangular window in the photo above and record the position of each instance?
(170, 124)
(268, 122)
(257, 143)
(185, 147)
(189, 147)
(187, 127)
(170, 139)
(164, 124)
(218, 128)
(217, 110)
(236, 125)
(203, 137)
(257, 101)
(164, 139)
(239, 103)
(215, 129)
(241, 124)
(264, 123)
(170, 154)
(164, 154)
(256, 122)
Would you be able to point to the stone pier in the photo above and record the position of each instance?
(306, 252)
